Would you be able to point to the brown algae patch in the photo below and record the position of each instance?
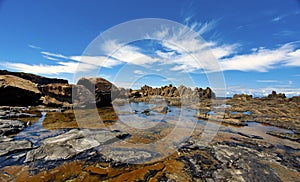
(84, 118)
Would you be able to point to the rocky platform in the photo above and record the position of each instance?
(101, 154)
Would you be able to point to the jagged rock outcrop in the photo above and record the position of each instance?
(66, 95)
(23, 89)
(242, 97)
(16, 91)
(101, 88)
(40, 80)
(172, 91)
(56, 95)
(274, 95)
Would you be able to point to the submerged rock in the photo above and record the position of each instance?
(160, 109)
(130, 155)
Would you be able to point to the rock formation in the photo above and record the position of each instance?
(172, 91)
(23, 89)
(242, 97)
(17, 91)
(101, 88)
(40, 80)
(274, 95)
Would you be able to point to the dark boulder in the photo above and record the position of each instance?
(100, 88)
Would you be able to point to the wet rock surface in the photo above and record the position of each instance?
(101, 154)
(70, 144)
(10, 127)
(289, 136)
(14, 146)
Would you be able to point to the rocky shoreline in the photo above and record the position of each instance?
(258, 139)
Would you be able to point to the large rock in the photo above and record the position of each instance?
(101, 88)
(66, 95)
(15, 91)
(61, 92)
(34, 78)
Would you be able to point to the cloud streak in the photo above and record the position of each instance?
(267, 81)
(182, 50)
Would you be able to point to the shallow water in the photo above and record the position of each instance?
(179, 120)
(35, 132)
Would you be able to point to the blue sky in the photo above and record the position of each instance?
(255, 43)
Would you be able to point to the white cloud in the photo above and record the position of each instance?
(293, 58)
(231, 90)
(263, 59)
(49, 54)
(101, 61)
(183, 50)
(139, 72)
(60, 67)
(50, 58)
(278, 18)
(34, 47)
(127, 53)
(267, 81)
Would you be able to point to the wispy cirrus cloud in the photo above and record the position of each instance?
(263, 59)
(283, 16)
(139, 72)
(34, 47)
(278, 18)
(182, 50)
(127, 53)
(53, 55)
(267, 81)
(59, 67)
(63, 64)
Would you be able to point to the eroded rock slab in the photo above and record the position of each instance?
(14, 146)
(10, 127)
(71, 143)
